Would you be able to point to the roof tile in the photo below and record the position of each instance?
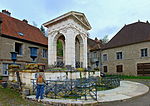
(130, 34)
(11, 27)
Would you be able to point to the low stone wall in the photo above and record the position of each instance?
(50, 75)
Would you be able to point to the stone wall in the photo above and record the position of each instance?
(8, 45)
(51, 75)
(131, 56)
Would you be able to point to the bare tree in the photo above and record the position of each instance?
(42, 29)
(105, 39)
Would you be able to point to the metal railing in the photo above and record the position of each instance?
(78, 88)
(75, 89)
(59, 64)
(79, 64)
(110, 82)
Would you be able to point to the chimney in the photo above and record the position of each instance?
(6, 12)
(24, 20)
(147, 22)
(96, 39)
(100, 41)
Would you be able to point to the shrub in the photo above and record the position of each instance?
(96, 69)
(80, 69)
(13, 66)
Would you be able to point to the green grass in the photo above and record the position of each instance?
(101, 88)
(129, 77)
(9, 97)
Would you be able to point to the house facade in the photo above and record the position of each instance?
(128, 52)
(18, 36)
(94, 53)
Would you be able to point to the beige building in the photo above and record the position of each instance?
(128, 52)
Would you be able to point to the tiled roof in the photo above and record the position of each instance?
(94, 45)
(12, 27)
(130, 34)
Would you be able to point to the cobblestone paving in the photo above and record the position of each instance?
(143, 100)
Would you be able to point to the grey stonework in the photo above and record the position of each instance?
(7, 45)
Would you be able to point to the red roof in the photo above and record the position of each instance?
(12, 26)
(130, 34)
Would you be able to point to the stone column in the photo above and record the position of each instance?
(82, 53)
(51, 49)
(85, 52)
(70, 48)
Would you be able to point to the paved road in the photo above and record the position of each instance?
(143, 100)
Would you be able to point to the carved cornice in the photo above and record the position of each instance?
(80, 17)
(64, 30)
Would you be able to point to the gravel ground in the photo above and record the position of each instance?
(143, 100)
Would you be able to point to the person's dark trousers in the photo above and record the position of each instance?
(40, 91)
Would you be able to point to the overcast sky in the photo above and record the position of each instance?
(106, 17)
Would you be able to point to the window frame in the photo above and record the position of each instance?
(144, 52)
(44, 53)
(118, 67)
(5, 69)
(106, 58)
(105, 67)
(20, 53)
(119, 56)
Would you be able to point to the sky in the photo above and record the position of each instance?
(106, 17)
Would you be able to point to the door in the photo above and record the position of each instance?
(143, 69)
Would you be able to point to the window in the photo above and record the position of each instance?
(104, 57)
(119, 55)
(119, 68)
(44, 53)
(144, 52)
(21, 34)
(105, 69)
(88, 55)
(94, 54)
(18, 48)
(5, 69)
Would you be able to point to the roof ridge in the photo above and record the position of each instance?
(139, 22)
(129, 34)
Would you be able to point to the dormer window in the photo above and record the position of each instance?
(21, 34)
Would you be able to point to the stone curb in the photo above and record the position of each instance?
(126, 90)
(122, 93)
